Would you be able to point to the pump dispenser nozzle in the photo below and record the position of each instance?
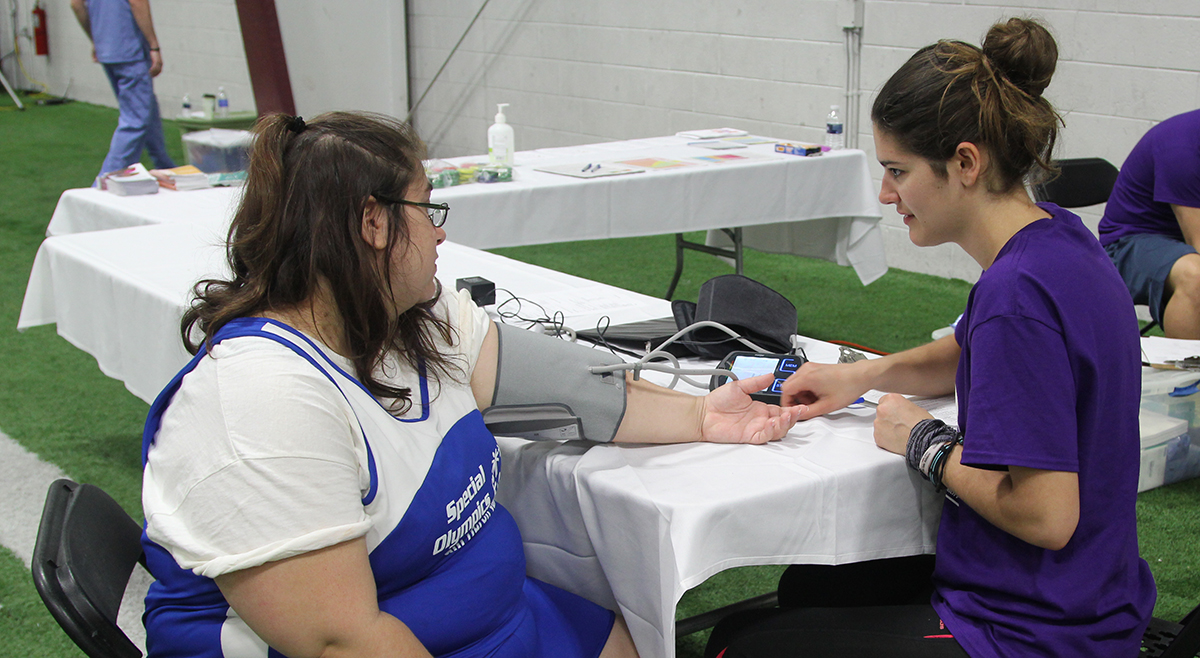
(500, 118)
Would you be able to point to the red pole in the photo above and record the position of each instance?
(265, 57)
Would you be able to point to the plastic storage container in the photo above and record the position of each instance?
(218, 150)
(1169, 427)
(1157, 389)
(1164, 440)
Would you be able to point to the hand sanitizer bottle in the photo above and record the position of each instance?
(500, 139)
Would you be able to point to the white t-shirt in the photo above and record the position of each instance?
(260, 457)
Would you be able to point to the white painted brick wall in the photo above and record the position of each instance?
(578, 72)
(201, 45)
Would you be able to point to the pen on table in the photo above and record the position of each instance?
(586, 168)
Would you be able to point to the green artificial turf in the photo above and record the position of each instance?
(55, 402)
(26, 628)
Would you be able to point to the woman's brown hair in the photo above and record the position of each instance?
(953, 92)
(300, 225)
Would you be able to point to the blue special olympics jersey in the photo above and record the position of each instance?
(447, 559)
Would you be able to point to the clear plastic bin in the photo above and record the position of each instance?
(1165, 447)
(218, 150)
(1169, 427)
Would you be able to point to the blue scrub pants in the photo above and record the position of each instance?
(139, 125)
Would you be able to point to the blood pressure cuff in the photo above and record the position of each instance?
(544, 389)
(746, 306)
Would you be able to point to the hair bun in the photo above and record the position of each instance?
(1025, 51)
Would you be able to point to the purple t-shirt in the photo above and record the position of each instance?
(1049, 378)
(1163, 169)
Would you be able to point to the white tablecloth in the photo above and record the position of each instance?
(822, 207)
(634, 527)
(826, 205)
(119, 294)
(89, 209)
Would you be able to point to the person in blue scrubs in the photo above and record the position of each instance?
(124, 43)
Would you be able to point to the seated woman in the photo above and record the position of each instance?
(1037, 551)
(319, 480)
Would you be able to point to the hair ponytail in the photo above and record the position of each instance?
(953, 92)
(263, 193)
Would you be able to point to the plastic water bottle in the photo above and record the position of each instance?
(187, 107)
(835, 137)
(223, 103)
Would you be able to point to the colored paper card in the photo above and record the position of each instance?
(749, 140)
(724, 158)
(656, 163)
(717, 144)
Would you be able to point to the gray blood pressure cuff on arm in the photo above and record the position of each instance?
(544, 389)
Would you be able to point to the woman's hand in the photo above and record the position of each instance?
(894, 420)
(821, 388)
(730, 416)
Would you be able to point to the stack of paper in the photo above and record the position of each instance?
(591, 169)
(182, 178)
(130, 181)
(712, 133)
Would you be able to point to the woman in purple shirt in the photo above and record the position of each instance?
(1037, 550)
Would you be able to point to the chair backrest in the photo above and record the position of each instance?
(1082, 182)
(87, 547)
(1165, 639)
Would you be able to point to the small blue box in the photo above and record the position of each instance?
(798, 148)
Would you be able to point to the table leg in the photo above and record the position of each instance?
(697, 623)
(735, 234)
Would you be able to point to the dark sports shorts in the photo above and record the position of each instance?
(1144, 261)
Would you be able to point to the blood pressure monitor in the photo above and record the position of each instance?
(752, 364)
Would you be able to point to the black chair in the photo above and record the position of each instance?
(1165, 639)
(87, 547)
(1081, 182)
(1162, 639)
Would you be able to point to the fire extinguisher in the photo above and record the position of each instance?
(41, 42)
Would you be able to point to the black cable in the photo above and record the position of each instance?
(556, 322)
(601, 330)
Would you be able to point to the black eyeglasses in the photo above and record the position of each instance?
(435, 211)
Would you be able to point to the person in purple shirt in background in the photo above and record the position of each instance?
(1037, 550)
(1151, 225)
(124, 43)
